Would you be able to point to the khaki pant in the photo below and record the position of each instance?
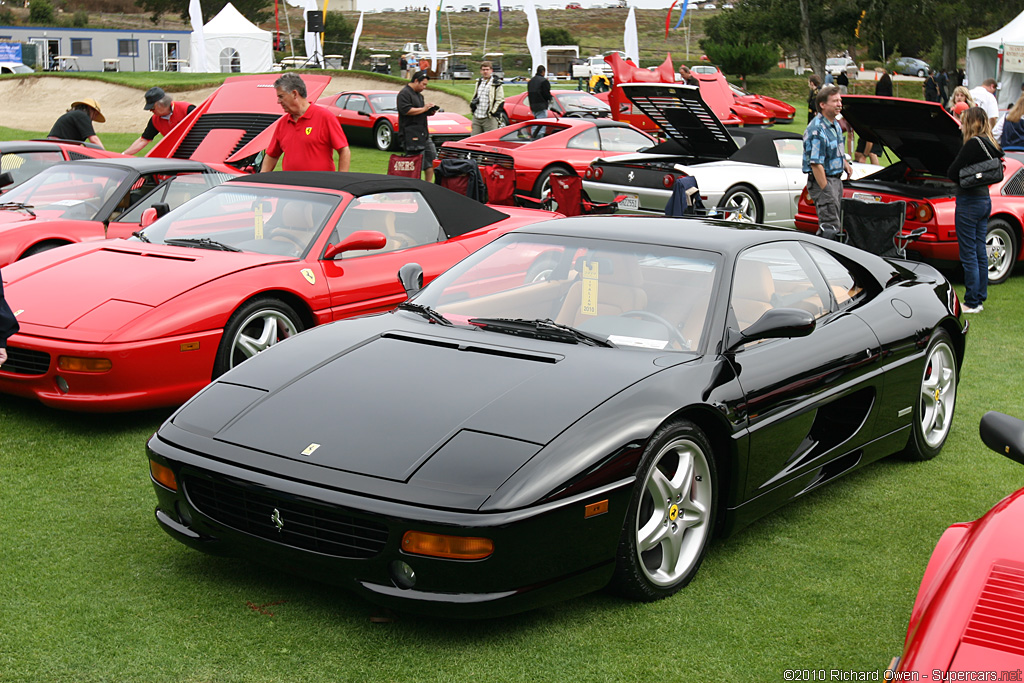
(484, 125)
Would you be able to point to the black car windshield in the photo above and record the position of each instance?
(73, 191)
(234, 217)
(633, 295)
(384, 102)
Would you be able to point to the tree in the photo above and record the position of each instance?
(735, 58)
(556, 36)
(338, 30)
(40, 13)
(253, 10)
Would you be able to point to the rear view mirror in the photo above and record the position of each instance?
(776, 323)
(149, 217)
(411, 277)
(1003, 434)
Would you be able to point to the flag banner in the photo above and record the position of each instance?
(195, 15)
(432, 40)
(630, 41)
(355, 41)
(533, 36)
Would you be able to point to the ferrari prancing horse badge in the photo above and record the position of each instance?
(309, 129)
(309, 275)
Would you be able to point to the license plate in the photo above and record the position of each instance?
(865, 197)
(630, 202)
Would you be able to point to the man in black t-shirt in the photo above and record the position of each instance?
(539, 92)
(76, 122)
(412, 122)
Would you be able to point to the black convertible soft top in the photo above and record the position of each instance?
(457, 213)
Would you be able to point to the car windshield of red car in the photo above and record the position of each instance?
(532, 132)
(581, 100)
(69, 191)
(263, 220)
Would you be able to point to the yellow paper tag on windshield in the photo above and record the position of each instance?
(258, 232)
(588, 304)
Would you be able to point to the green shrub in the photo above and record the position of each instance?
(40, 13)
(6, 16)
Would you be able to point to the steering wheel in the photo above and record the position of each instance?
(674, 335)
(287, 235)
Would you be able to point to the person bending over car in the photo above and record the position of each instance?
(166, 115)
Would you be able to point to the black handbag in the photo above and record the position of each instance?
(982, 173)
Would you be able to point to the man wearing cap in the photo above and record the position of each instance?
(307, 134)
(76, 122)
(166, 115)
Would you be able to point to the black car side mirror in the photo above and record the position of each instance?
(776, 323)
(411, 277)
(162, 209)
(6, 179)
(1003, 434)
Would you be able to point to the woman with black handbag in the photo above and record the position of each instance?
(977, 165)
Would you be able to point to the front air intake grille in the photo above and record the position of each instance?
(286, 520)
(252, 124)
(26, 361)
(481, 158)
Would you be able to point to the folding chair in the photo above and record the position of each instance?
(567, 193)
(501, 185)
(462, 176)
(406, 166)
(876, 227)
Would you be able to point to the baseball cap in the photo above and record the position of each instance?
(153, 95)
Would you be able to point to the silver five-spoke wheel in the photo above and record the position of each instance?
(936, 399)
(255, 327)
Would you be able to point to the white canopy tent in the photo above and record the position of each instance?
(983, 60)
(233, 44)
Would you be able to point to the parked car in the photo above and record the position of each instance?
(926, 138)
(834, 65)
(910, 66)
(574, 5)
(146, 322)
(15, 68)
(967, 614)
(538, 148)
(22, 159)
(370, 117)
(749, 174)
(74, 201)
(485, 7)
(606, 394)
(468, 8)
(718, 93)
(565, 103)
(779, 111)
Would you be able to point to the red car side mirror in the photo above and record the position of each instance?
(360, 239)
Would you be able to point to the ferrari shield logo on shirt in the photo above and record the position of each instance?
(588, 303)
(309, 275)
(309, 129)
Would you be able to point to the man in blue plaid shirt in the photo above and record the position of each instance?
(824, 162)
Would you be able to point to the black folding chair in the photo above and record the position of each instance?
(876, 227)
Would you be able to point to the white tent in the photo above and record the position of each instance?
(983, 60)
(233, 44)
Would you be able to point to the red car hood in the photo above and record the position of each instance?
(65, 288)
(234, 122)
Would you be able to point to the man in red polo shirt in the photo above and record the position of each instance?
(307, 134)
(166, 115)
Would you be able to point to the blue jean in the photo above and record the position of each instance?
(971, 229)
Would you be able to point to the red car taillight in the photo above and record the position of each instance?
(806, 197)
(589, 173)
(668, 181)
(598, 172)
(924, 213)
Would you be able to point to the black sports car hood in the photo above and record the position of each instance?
(384, 397)
(681, 113)
(923, 134)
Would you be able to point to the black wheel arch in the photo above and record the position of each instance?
(758, 199)
(297, 303)
(44, 245)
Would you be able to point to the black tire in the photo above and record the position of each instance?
(544, 179)
(541, 269)
(678, 467)
(384, 135)
(255, 326)
(935, 401)
(747, 199)
(502, 119)
(1001, 245)
(40, 248)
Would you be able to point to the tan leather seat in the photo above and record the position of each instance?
(619, 289)
(752, 291)
(296, 225)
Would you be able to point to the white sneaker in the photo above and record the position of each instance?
(973, 309)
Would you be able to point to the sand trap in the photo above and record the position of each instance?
(35, 103)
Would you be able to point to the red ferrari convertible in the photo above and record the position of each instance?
(73, 201)
(146, 322)
(926, 139)
(968, 617)
(541, 147)
(565, 103)
(370, 117)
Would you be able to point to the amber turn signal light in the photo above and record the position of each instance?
(163, 475)
(74, 364)
(448, 547)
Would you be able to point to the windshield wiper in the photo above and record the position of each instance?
(201, 243)
(427, 312)
(541, 329)
(18, 205)
(142, 237)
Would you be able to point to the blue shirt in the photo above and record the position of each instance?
(823, 144)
